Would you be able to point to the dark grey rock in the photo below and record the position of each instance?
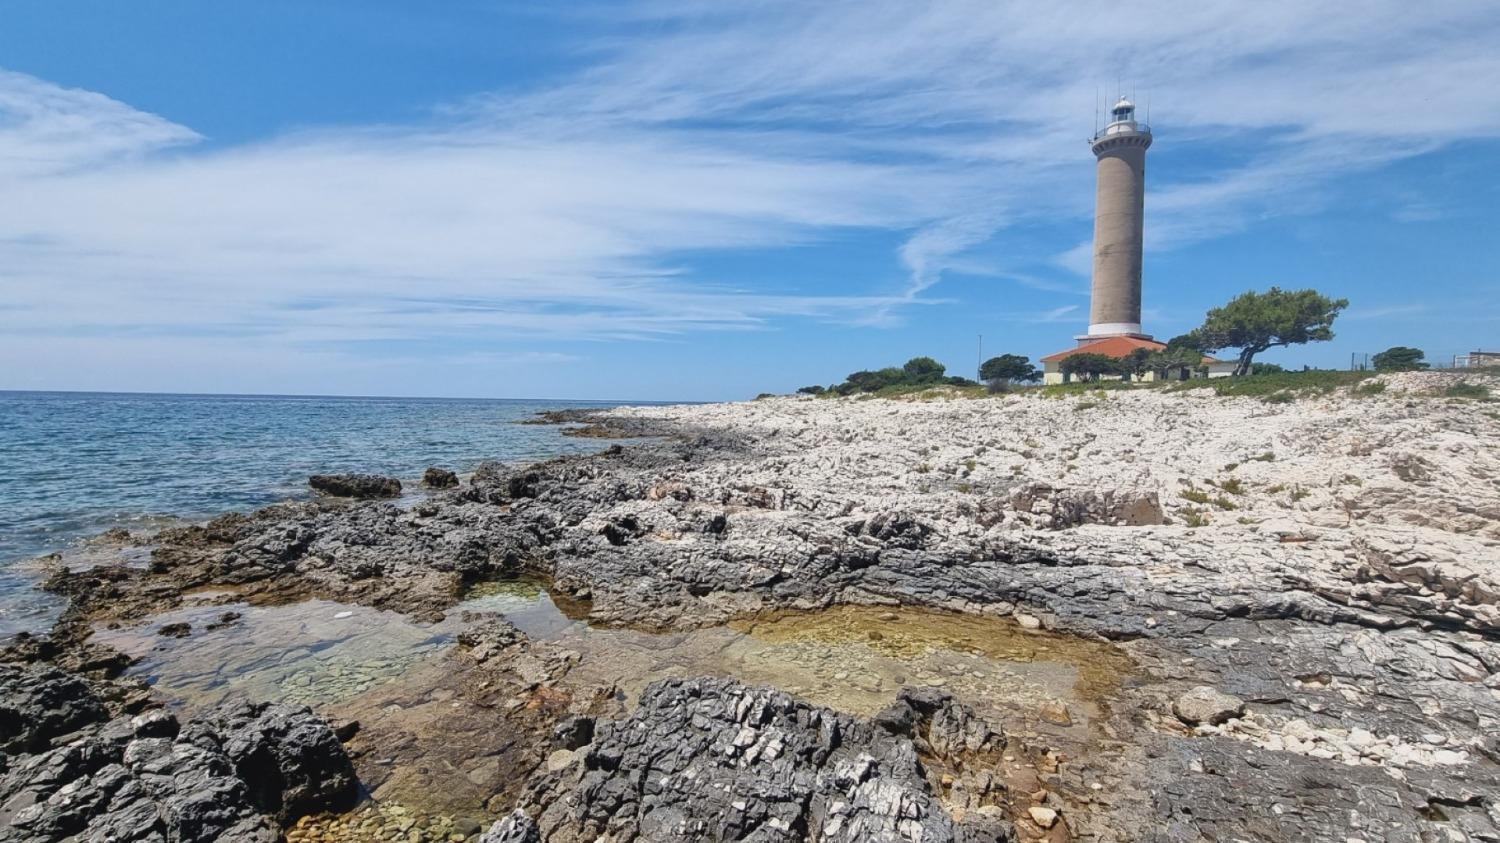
(292, 760)
(714, 759)
(39, 703)
(231, 776)
(355, 485)
(516, 828)
(439, 478)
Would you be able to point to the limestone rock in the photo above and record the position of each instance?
(1060, 507)
(1205, 705)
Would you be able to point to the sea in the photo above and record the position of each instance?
(74, 464)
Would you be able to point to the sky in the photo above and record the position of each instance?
(674, 200)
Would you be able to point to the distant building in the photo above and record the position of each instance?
(1119, 233)
(1120, 347)
(1477, 359)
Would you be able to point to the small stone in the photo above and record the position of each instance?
(1042, 816)
(1207, 705)
(1056, 713)
(1028, 621)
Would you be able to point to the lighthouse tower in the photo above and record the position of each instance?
(1119, 221)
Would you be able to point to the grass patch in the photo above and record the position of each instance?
(1294, 384)
(1099, 388)
(1198, 496)
(1233, 486)
(1195, 518)
(917, 392)
(1365, 390)
(1464, 389)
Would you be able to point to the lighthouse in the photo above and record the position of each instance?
(1119, 224)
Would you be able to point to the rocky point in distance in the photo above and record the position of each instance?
(1298, 600)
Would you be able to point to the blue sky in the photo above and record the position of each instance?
(682, 200)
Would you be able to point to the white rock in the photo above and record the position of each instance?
(1042, 816)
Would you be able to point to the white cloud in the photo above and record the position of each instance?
(563, 212)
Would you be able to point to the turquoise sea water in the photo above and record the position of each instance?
(75, 464)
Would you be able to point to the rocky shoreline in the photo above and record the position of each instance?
(1301, 599)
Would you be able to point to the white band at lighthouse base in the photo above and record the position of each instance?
(1110, 329)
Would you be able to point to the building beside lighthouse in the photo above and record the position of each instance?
(1119, 234)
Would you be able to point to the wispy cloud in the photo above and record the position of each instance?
(561, 212)
(1385, 312)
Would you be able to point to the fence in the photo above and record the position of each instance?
(1363, 361)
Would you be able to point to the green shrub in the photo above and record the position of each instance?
(1233, 486)
(1465, 389)
(1316, 381)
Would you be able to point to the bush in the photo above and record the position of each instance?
(1295, 384)
(1464, 389)
(1092, 365)
(1009, 368)
(1399, 358)
(1254, 322)
(923, 370)
(918, 373)
(811, 390)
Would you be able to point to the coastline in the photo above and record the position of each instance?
(1342, 591)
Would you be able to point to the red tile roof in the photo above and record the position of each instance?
(1109, 347)
(1116, 347)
